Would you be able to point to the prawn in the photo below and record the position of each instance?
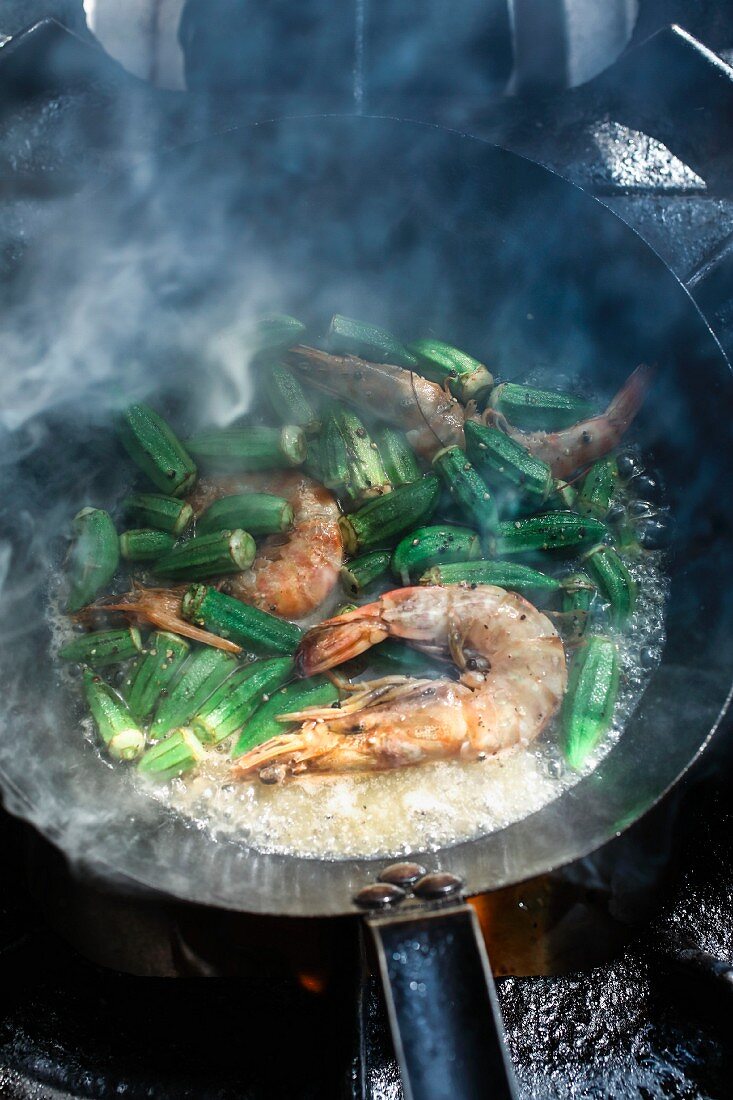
(580, 444)
(512, 677)
(294, 572)
(432, 419)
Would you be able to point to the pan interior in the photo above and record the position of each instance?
(422, 229)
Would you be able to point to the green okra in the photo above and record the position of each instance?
(466, 378)
(246, 449)
(103, 647)
(503, 463)
(227, 710)
(346, 336)
(145, 544)
(399, 459)
(208, 556)
(264, 724)
(547, 531)
(155, 510)
(93, 557)
(588, 705)
(204, 671)
(381, 520)
(538, 410)
(366, 476)
(177, 754)
(155, 671)
(359, 573)
(116, 726)
(241, 623)
(597, 488)
(427, 546)
(258, 513)
(152, 444)
(467, 488)
(288, 399)
(614, 581)
(274, 332)
(503, 574)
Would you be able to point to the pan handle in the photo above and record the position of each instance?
(441, 1001)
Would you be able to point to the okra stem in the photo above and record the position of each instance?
(93, 558)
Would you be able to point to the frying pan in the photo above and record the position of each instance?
(422, 229)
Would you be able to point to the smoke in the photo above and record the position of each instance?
(148, 289)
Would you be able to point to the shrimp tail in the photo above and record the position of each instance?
(629, 399)
(161, 608)
(339, 639)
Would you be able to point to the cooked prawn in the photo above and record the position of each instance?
(433, 419)
(293, 573)
(512, 679)
(430, 417)
(579, 445)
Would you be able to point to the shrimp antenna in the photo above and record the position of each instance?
(420, 409)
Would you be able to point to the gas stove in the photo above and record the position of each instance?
(614, 975)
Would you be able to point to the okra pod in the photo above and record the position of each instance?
(242, 623)
(398, 457)
(177, 754)
(103, 647)
(202, 674)
(466, 377)
(547, 531)
(288, 399)
(153, 445)
(467, 488)
(313, 465)
(227, 710)
(614, 581)
(346, 336)
(366, 475)
(358, 574)
(428, 546)
(155, 671)
(93, 558)
(334, 461)
(258, 513)
(563, 497)
(538, 410)
(504, 463)
(208, 556)
(597, 487)
(503, 574)
(318, 691)
(589, 701)
(117, 727)
(155, 510)
(393, 657)
(245, 449)
(382, 519)
(577, 596)
(274, 332)
(145, 544)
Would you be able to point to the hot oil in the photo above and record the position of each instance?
(427, 807)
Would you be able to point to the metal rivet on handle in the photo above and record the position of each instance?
(379, 896)
(438, 885)
(402, 874)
